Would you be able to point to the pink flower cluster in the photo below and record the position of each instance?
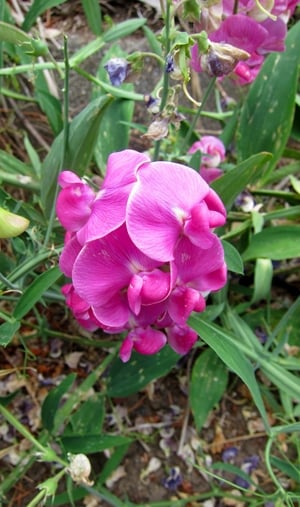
(141, 252)
(250, 29)
(213, 153)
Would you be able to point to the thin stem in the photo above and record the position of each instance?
(37, 499)
(66, 138)
(165, 88)
(197, 116)
(21, 429)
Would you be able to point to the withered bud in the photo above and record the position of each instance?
(221, 59)
(80, 469)
(152, 104)
(158, 129)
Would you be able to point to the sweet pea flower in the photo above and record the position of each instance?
(213, 153)
(169, 200)
(141, 253)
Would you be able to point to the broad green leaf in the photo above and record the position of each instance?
(89, 444)
(282, 378)
(38, 7)
(229, 186)
(288, 469)
(52, 401)
(268, 111)
(208, 383)
(88, 419)
(155, 46)
(35, 291)
(127, 378)
(92, 11)
(83, 134)
(123, 29)
(227, 348)
(7, 332)
(263, 275)
(276, 243)
(232, 258)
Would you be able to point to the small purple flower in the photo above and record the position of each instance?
(261, 335)
(117, 69)
(170, 66)
(173, 480)
(229, 454)
(250, 464)
(241, 482)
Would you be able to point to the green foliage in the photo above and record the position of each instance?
(261, 247)
(268, 110)
(208, 384)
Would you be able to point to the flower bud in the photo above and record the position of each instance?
(11, 225)
(117, 69)
(80, 469)
(221, 59)
(158, 130)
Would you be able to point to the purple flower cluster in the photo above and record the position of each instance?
(141, 252)
(255, 29)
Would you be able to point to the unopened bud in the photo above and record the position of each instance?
(80, 469)
(221, 59)
(158, 130)
(11, 225)
(117, 69)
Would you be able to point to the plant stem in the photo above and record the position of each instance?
(197, 116)
(66, 139)
(165, 90)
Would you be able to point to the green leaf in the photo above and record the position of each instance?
(268, 111)
(208, 383)
(128, 378)
(38, 7)
(263, 276)
(229, 186)
(7, 332)
(34, 292)
(123, 29)
(89, 444)
(288, 469)
(276, 243)
(52, 107)
(282, 378)
(52, 401)
(83, 134)
(112, 463)
(228, 350)
(92, 11)
(232, 258)
(88, 419)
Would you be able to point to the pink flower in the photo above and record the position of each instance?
(213, 153)
(142, 253)
(169, 200)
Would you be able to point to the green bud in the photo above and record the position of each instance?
(11, 225)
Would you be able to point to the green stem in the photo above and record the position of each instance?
(197, 116)
(37, 499)
(28, 265)
(269, 466)
(165, 89)
(21, 429)
(66, 139)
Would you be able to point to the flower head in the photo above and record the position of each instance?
(117, 69)
(141, 253)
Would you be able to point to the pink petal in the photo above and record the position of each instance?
(121, 168)
(182, 302)
(113, 313)
(240, 31)
(73, 206)
(147, 340)
(217, 211)
(181, 338)
(126, 350)
(69, 255)
(67, 178)
(105, 266)
(158, 205)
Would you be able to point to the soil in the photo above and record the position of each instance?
(163, 409)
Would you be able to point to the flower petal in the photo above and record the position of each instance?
(181, 338)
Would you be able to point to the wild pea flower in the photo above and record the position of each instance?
(253, 29)
(117, 69)
(213, 153)
(141, 252)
